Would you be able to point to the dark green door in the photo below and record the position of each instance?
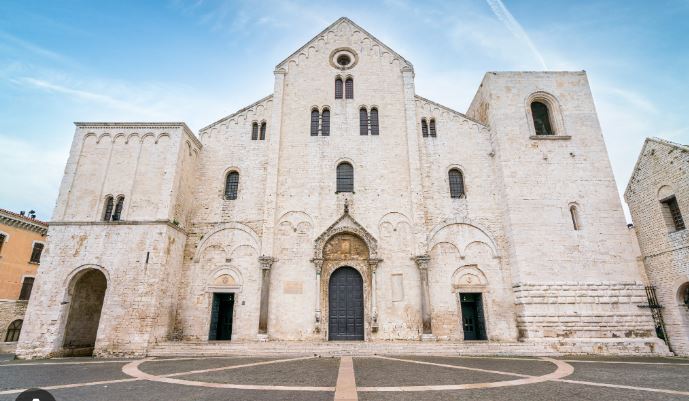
(472, 316)
(221, 317)
(346, 305)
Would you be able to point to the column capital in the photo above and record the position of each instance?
(318, 264)
(266, 262)
(374, 262)
(422, 261)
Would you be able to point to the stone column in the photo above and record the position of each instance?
(318, 264)
(266, 263)
(373, 264)
(422, 264)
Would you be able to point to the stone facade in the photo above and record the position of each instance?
(662, 172)
(505, 251)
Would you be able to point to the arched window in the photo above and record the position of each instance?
(345, 177)
(374, 121)
(117, 214)
(338, 88)
(325, 122)
(363, 121)
(231, 185)
(456, 183)
(314, 122)
(575, 217)
(13, 331)
(433, 133)
(349, 88)
(107, 210)
(424, 128)
(263, 131)
(254, 131)
(541, 118)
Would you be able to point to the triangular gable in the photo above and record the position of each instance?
(333, 29)
(346, 224)
(423, 100)
(643, 152)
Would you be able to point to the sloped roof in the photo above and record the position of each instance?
(664, 142)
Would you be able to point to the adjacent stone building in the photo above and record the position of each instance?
(22, 238)
(344, 206)
(658, 199)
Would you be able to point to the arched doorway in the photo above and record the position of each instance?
(86, 302)
(346, 305)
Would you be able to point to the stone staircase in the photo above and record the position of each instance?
(474, 348)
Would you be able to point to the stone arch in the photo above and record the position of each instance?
(86, 294)
(554, 110)
(469, 278)
(225, 279)
(253, 237)
(462, 232)
(665, 191)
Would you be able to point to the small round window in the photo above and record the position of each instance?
(343, 58)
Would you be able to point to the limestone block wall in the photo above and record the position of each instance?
(9, 312)
(661, 171)
(141, 263)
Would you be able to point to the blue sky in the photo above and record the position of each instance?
(199, 60)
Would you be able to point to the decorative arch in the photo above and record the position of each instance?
(346, 224)
(554, 112)
(225, 279)
(256, 242)
(469, 278)
(474, 232)
(665, 191)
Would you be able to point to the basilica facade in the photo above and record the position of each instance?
(345, 207)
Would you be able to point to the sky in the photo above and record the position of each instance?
(199, 60)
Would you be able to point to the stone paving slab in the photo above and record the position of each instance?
(315, 372)
(384, 373)
(653, 376)
(533, 367)
(19, 376)
(168, 366)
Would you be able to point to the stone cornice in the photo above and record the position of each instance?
(26, 223)
(119, 223)
(138, 125)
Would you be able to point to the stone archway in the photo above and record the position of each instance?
(87, 292)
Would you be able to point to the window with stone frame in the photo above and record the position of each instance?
(325, 122)
(345, 177)
(375, 127)
(254, 131)
(27, 286)
(107, 209)
(672, 214)
(13, 331)
(119, 205)
(432, 127)
(231, 185)
(541, 118)
(349, 88)
(315, 117)
(363, 121)
(36, 252)
(456, 179)
(262, 136)
(424, 128)
(338, 88)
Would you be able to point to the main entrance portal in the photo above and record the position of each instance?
(346, 305)
(221, 317)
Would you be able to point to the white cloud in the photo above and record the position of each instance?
(515, 27)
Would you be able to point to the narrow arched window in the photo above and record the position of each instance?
(374, 122)
(345, 177)
(456, 183)
(263, 131)
(325, 122)
(363, 121)
(231, 185)
(574, 213)
(541, 118)
(117, 214)
(338, 88)
(314, 122)
(13, 331)
(107, 210)
(254, 131)
(432, 124)
(349, 88)
(424, 128)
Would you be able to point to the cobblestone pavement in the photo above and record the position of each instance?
(381, 377)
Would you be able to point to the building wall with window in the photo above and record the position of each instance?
(21, 252)
(658, 199)
(456, 227)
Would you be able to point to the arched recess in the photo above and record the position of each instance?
(462, 232)
(212, 235)
(86, 294)
(469, 278)
(554, 111)
(225, 279)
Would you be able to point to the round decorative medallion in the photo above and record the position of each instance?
(343, 58)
